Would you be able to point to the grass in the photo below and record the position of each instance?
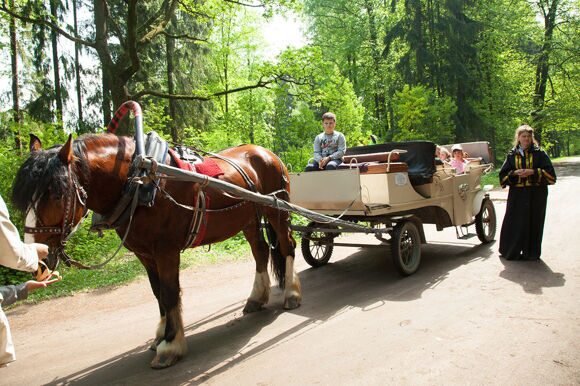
(491, 178)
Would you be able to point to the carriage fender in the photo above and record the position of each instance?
(419, 224)
(478, 198)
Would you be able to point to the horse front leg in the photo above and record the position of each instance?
(261, 289)
(171, 345)
(151, 268)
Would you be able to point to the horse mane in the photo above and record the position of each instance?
(43, 172)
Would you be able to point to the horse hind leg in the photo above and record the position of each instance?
(261, 289)
(282, 255)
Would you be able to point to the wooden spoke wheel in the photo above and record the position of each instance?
(486, 222)
(406, 247)
(317, 246)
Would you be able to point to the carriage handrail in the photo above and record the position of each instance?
(272, 201)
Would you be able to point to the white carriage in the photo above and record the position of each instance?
(395, 198)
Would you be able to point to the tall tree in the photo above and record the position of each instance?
(54, 4)
(15, 87)
(170, 55)
(77, 67)
(549, 11)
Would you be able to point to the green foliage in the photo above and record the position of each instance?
(491, 178)
(421, 115)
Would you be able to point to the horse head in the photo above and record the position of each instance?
(47, 189)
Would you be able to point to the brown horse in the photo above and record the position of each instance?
(55, 187)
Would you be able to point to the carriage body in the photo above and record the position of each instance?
(394, 194)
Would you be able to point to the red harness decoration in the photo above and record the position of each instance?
(209, 168)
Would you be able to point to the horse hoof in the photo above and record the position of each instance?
(252, 306)
(291, 303)
(164, 361)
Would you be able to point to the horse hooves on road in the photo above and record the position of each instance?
(164, 361)
(252, 306)
(291, 303)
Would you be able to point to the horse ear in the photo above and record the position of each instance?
(66, 153)
(35, 144)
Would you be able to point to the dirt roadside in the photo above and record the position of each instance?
(467, 317)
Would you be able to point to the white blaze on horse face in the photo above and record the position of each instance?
(30, 222)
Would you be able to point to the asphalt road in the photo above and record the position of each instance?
(466, 317)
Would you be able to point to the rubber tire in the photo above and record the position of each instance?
(317, 255)
(486, 216)
(406, 248)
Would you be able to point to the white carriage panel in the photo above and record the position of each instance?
(374, 189)
(327, 190)
(390, 189)
(462, 199)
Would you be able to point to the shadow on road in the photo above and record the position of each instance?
(531, 275)
(366, 280)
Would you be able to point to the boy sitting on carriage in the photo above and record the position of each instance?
(329, 146)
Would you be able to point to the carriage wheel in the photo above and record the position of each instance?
(406, 247)
(317, 246)
(485, 222)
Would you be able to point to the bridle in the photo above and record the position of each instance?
(67, 226)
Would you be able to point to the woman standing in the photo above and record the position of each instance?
(528, 171)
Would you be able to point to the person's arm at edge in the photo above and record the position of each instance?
(15, 254)
(10, 294)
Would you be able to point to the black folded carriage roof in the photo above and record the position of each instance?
(420, 157)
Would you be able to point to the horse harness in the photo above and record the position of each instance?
(67, 227)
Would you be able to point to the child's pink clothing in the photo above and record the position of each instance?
(458, 165)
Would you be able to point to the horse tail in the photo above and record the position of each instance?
(277, 258)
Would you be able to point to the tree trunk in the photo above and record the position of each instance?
(419, 44)
(543, 65)
(77, 69)
(106, 101)
(170, 52)
(55, 64)
(114, 76)
(15, 87)
(379, 96)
